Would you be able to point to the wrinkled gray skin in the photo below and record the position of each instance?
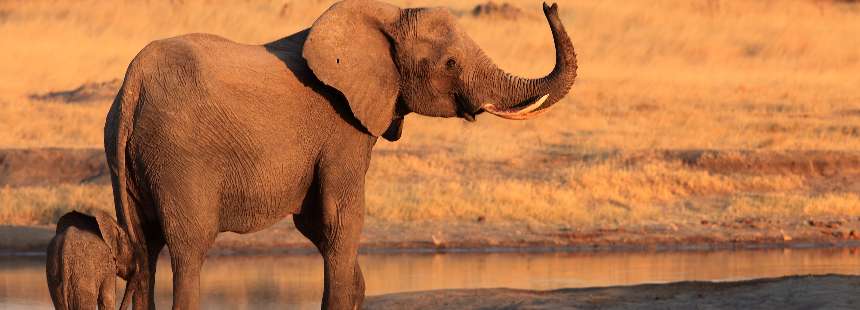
(208, 135)
(84, 258)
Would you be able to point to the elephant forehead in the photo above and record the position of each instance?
(89, 242)
(426, 24)
(430, 39)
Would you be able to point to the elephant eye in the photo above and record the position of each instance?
(451, 63)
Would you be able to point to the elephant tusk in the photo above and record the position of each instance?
(521, 114)
(528, 115)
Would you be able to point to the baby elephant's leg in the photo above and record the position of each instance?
(107, 292)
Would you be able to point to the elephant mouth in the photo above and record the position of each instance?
(470, 116)
(464, 111)
(525, 110)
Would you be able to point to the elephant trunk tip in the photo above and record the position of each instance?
(564, 74)
(528, 98)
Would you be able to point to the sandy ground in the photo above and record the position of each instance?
(797, 292)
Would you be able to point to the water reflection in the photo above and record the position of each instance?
(295, 281)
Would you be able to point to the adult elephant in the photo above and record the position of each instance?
(207, 135)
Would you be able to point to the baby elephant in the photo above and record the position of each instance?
(84, 258)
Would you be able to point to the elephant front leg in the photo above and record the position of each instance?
(344, 284)
(333, 223)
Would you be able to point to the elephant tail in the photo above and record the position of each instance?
(119, 127)
(118, 130)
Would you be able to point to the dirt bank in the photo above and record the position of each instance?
(796, 292)
(460, 236)
(90, 92)
(52, 166)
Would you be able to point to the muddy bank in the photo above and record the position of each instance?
(379, 236)
(452, 237)
(796, 292)
(474, 236)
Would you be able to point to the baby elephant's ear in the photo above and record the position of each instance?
(349, 49)
(77, 219)
(112, 233)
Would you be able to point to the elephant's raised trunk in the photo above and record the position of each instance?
(514, 97)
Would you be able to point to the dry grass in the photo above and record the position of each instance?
(604, 193)
(654, 75)
(39, 205)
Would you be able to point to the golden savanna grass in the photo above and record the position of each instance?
(38, 205)
(770, 76)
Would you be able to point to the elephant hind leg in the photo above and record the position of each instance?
(189, 236)
(107, 292)
(186, 278)
(143, 294)
(84, 296)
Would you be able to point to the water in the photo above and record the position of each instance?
(295, 281)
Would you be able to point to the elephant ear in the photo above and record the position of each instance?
(112, 234)
(349, 49)
(78, 220)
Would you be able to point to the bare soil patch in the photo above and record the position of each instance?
(86, 93)
(823, 170)
(795, 292)
(52, 166)
(439, 236)
(805, 163)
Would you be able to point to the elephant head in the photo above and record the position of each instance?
(120, 246)
(103, 224)
(389, 62)
(87, 250)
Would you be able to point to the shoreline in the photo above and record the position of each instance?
(791, 292)
(300, 250)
